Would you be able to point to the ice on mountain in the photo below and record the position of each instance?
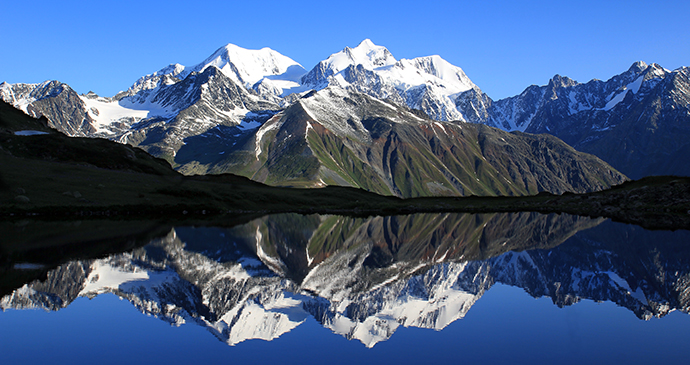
(425, 82)
(616, 98)
(249, 67)
(29, 133)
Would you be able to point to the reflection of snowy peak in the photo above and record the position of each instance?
(236, 301)
(646, 272)
(365, 278)
(263, 278)
(434, 299)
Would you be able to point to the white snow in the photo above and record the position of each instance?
(275, 264)
(17, 300)
(265, 70)
(268, 126)
(255, 321)
(637, 294)
(165, 76)
(443, 304)
(29, 133)
(248, 67)
(616, 98)
(18, 100)
(442, 81)
(249, 124)
(367, 54)
(508, 112)
(104, 277)
(574, 105)
(635, 85)
(106, 112)
(329, 108)
(435, 72)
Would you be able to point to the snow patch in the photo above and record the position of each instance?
(104, 277)
(249, 124)
(29, 133)
(268, 126)
(616, 98)
(28, 266)
(106, 112)
(18, 99)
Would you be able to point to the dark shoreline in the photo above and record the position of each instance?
(653, 203)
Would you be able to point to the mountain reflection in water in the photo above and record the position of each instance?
(363, 278)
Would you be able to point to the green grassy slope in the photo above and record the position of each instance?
(389, 150)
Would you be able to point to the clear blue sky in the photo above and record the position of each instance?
(503, 46)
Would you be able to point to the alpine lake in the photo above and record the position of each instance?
(289, 288)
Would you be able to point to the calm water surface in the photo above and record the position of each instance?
(492, 288)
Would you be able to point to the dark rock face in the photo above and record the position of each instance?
(56, 101)
(649, 134)
(636, 121)
(476, 106)
(204, 103)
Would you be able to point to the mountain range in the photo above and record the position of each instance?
(637, 121)
(399, 127)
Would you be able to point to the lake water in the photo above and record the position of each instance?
(488, 288)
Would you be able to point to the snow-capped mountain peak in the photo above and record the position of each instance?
(275, 72)
(655, 71)
(429, 83)
(366, 54)
(172, 69)
(638, 67)
(166, 76)
(248, 66)
(434, 70)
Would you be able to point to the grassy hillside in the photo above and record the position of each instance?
(337, 138)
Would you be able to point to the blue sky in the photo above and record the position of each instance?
(503, 46)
